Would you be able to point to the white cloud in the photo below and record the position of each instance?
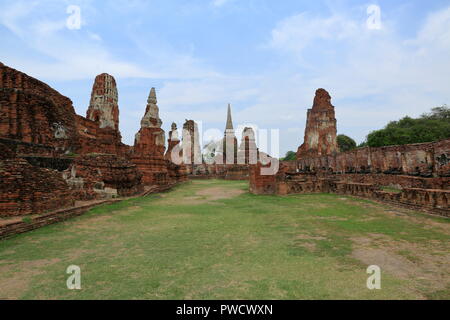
(373, 76)
(219, 3)
(296, 33)
(68, 54)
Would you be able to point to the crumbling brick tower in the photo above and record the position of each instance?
(148, 151)
(99, 131)
(320, 132)
(103, 107)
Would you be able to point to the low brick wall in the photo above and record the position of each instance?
(219, 171)
(423, 160)
(46, 219)
(49, 218)
(435, 201)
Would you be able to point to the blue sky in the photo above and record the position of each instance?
(266, 58)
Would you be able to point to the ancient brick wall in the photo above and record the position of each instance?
(219, 171)
(25, 189)
(262, 184)
(103, 176)
(93, 139)
(31, 111)
(423, 195)
(424, 165)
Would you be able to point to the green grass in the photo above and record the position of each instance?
(182, 245)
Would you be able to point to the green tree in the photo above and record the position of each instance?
(290, 156)
(345, 143)
(429, 127)
(363, 144)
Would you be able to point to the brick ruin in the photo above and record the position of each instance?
(420, 172)
(51, 157)
(231, 161)
(320, 133)
(149, 146)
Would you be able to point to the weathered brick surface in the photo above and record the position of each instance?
(262, 184)
(424, 165)
(421, 171)
(103, 176)
(39, 127)
(148, 151)
(219, 171)
(103, 107)
(31, 111)
(6, 152)
(93, 139)
(320, 132)
(25, 189)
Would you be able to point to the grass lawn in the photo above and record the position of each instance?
(213, 240)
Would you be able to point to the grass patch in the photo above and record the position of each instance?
(210, 239)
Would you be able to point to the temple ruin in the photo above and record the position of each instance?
(420, 172)
(50, 157)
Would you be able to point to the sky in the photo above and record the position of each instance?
(379, 60)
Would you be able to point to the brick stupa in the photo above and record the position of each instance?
(148, 151)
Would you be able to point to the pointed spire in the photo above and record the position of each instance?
(152, 96)
(151, 118)
(229, 121)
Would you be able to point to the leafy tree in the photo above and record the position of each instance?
(363, 144)
(290, 156)
(345, 143)
(429, 127)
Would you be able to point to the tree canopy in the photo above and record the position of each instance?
(290, 156)
(345, 143)
(429, 127)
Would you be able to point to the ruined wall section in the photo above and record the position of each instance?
(93, 139)
(419, 171)
(103, 176)
(424, 165)
(26, 189)
(33, 112)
